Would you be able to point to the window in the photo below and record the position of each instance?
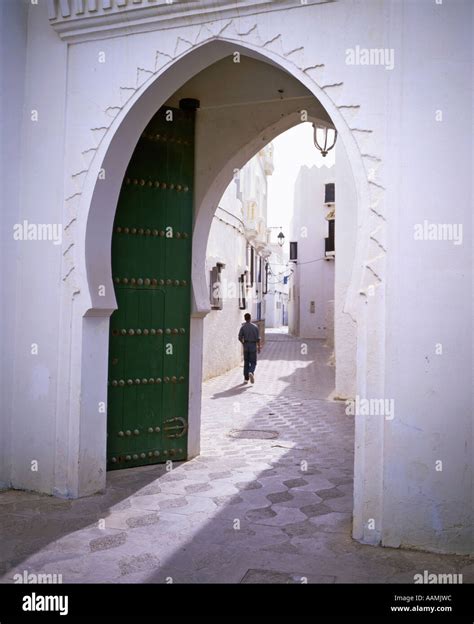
(294, 251)
(251, 265)
(215, 286)
(329, 193)
(329, 247)
(242, 291)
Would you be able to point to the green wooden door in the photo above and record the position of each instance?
(151, 268)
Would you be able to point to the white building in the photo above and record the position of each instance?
(276, 298)
(237, 254)
(83, 82)
(311, 284)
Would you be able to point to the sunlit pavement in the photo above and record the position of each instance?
(268, 500)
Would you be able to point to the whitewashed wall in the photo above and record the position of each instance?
(314, 276)
(345, 329)
(222, 351)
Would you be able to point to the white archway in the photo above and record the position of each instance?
(98, 202)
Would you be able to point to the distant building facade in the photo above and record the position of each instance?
(311, 283)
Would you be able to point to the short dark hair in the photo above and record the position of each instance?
(247, 317)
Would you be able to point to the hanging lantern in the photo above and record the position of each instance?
(281, 239)
(322, 137)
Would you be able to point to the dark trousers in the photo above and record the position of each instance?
(250, 362)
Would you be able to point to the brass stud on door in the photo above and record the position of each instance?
(144, 381)
(132, 281)
(152, 332)
(158, 380)
(127, 458)
(113, 460)
(150, 429)
(133, 231)
(136, 432)
(137, 381)
(123, 332)
(166, 379)
(156, 453)
(151, 380)
(167, 331)
(150, 454)
(135, 456)
(121, 434)
(142, 455)
(174, 379)
(176, 282)
(157, 430)
(131, 332)
(128, 432)
(130, 382)
(121, 382)
(114, 383)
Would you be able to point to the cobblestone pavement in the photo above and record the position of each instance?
(247, 510)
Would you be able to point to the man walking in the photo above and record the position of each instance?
(249, 336)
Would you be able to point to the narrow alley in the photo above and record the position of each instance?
(269, 499)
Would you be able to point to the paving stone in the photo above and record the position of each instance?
(260, 514)
(279, 497)
(293, 483)
(107, 542)
(135, 563)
